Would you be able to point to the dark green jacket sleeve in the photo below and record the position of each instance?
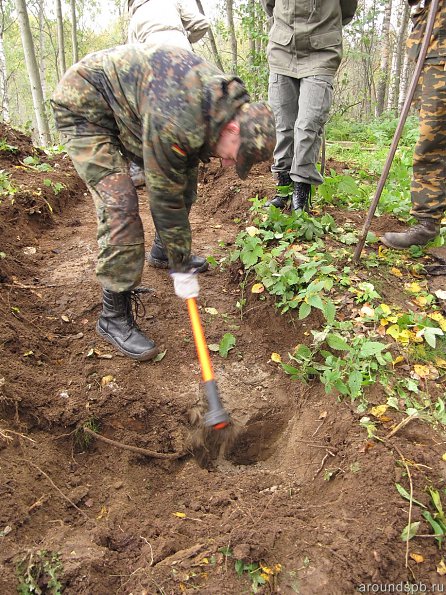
(348, 8)
(167, 163)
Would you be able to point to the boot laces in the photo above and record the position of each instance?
(137, 308)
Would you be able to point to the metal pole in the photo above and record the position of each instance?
(398, 131)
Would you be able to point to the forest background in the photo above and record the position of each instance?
(40, 39)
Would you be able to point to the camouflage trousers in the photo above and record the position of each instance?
(98, 158)
(428, 188)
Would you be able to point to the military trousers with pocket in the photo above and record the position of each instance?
(428, 188)
(301, 108)
(98, 157)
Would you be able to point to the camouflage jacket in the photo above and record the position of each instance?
(436, 53)
(169, 106)
(305, 38)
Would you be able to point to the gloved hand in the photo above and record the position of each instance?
(186, 285)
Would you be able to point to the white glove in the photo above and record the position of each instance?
(186, 285)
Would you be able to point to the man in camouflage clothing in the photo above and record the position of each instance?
(167, 109)
(428, 188)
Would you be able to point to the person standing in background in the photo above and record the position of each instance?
(428, 187)
(304, 53)
(167, 22)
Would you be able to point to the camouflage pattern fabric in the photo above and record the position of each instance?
(428, 190)
(165, 109)
(436, 53)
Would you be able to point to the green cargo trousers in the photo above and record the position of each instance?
(428, 188)
(301, 108)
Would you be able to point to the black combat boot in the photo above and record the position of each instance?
(117, 326)
(158, 258)
(418, 235)
(301, 196)
(284, 190)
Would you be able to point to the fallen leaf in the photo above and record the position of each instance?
(275, 357)
(258, 288)
(385, 309)
(396, 272)
(65, 318)
(413, 287)
(211, 311)
(440, 362)
(378, 411)
(214, 347)
(425, 371)
(441, 568)
(323, 415)
(103, 513)
(180, 515)
(252, 231)
(417, 557)
(421, 300)
(443, 456)
(160, 356)
(107, 379)
(441, 294)
(397, 360)
(366, 310)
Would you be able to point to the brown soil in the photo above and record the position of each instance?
(123, 523)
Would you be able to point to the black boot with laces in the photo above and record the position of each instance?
(301, 196)
(116, 325)
(284, 190)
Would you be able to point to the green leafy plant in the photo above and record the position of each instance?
(6, 187)
(226, 344)
(34, 163)
(56, 186)
(357, 366)
(39, 573)
(7, 148)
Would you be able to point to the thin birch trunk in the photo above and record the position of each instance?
(33, 73)
(384, 72)
(74, 44)
(232, 36)
(211, 36)
(60, 38)
(4, 104)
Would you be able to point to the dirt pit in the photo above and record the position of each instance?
(301, 492)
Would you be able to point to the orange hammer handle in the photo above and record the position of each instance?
(207, 372)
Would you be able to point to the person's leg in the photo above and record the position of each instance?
(315, 99)
(428, 187)
(97, 157)
(157, 256)
(283, 95)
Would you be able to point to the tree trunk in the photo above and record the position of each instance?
(3, 82)
(398, 58)
(252, 41)
(33, 73)
(42, 47)
(232, 36)
(210, 33)
(384, 73)
(60, 38)
(74, 32)
(405, 73)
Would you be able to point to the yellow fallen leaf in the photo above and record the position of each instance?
(180, 515)
(443, 456)
(278, 568)
(413, 287)
(421, 300)
(266, 569)
(385, 309)
(382, 252)
(396, 272)
(378, 411)
(252, 231)
(258, 288)
(211, 311)
(103, 513)
(275, 357)
(107, 379)
(417, 557)
(441, 568)
(392, 319)
(438, 317)
(397, 360)
(323, 415)
(422, 371)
